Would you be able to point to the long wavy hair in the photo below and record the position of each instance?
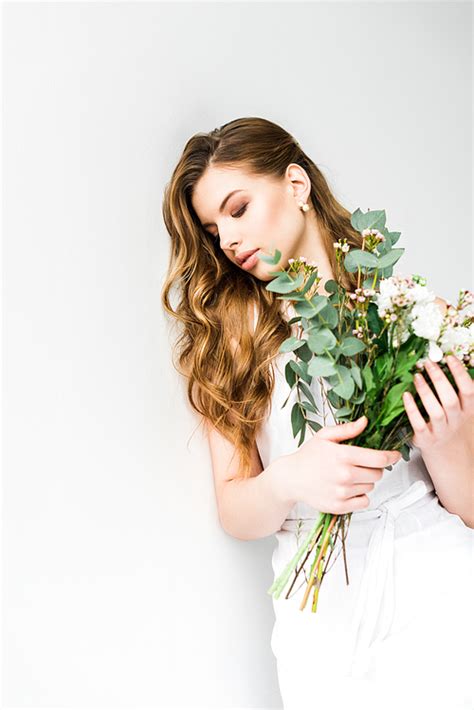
(226, 362)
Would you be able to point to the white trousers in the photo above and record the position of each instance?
(401, 632)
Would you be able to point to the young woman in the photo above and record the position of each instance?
(399, 632)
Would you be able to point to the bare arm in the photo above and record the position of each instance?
(249, 508)
(253, 508)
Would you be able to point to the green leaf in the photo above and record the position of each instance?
(344, 411)
(321, 340)
(321, 366)
(356, 374)
(290, 374)
(309, 283)
(303, 432)
(328, 315)
(393, 403)
(290, 344)
(374, 321)
(390, 259)
(383, 365)
(368, 378)
(301, 369)
(358, 257)
(307, 392)
(315, 426)
(334, 398)
(285, 284)
(331, 286)
(372, 219)
(309, 309)
(304, 353)
(297, 418)
(345, 389)
(271, 259)
(351, 346)
(309, 407)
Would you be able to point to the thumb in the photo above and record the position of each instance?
(339, 432)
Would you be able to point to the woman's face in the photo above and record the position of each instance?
(263, 215)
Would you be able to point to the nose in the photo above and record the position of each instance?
(230, 242)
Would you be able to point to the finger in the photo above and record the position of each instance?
(363, 474)
(430, 402)
(464, 381)
(356, 489)
(374, 458)
(356, 503)
(419, 426)
(447, 394)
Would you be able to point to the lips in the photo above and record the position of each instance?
(244, 255)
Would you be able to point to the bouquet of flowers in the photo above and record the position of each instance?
(367, 345)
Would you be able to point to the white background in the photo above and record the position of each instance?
(119, 587)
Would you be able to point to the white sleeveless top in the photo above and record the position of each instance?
(406, 488)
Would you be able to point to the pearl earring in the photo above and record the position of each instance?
(303, 205)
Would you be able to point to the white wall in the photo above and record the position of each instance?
(119, 587)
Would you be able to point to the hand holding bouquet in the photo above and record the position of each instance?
(367, 346)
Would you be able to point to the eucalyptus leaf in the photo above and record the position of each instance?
(389, 259)
(315, 426)
(359, 257)
(358, 399)
(344, 411)
(331, 286)
(301, 369)
(270, 259)
(345, 388)
(309, 407)
(312, 278)
(304, 353)
(290, 344)
(321, 340)
(290, 374)
(372, 219)
(307, 392)
(297, 418)
(284, 285)
(351, 346)
(356, 374)
(328, 315)
(309, 309)
(321, 366)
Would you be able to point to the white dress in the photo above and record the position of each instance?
(400, 634)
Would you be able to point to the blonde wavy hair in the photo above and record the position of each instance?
(227, 363)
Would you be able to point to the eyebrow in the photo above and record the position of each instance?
(223, 204)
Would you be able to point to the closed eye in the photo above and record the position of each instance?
(236, 215)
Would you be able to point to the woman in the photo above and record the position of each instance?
(400, 627)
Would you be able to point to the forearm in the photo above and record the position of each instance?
(452, 472)
(256, 507)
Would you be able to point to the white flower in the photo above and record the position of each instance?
(434, 352)
(458, 339)
(420, 294)
(345, 247)
(427, 320)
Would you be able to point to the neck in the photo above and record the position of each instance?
(311, 246)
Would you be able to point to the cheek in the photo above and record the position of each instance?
(276, 226)
(277, 223)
